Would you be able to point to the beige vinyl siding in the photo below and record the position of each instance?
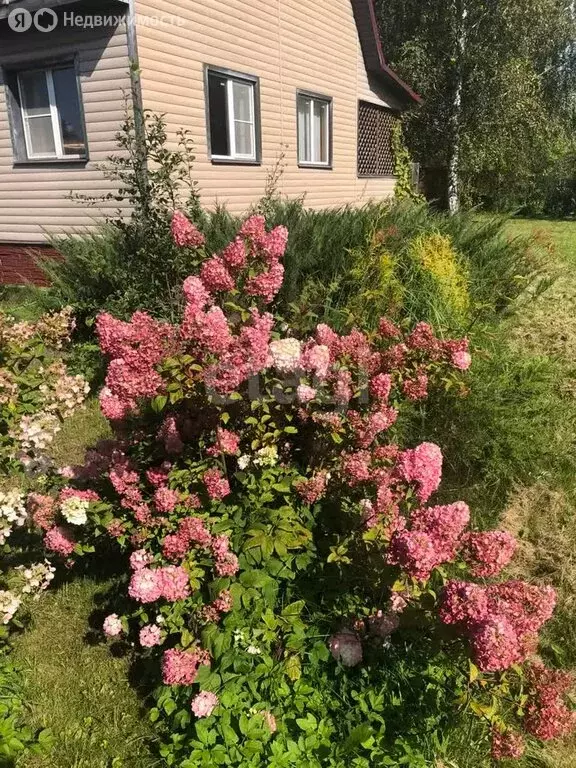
(33, 198)
(289, 44)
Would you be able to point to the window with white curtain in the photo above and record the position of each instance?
(314, 130)
(51, 114)
(233, 119)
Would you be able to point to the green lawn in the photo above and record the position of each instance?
(561, 233)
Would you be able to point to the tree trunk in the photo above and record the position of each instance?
(460, 14)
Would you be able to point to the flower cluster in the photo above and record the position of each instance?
(488, 553)
(181, 667)
(9, 605)
(12, 513)
(170, 582)
(432, 540)
(37, 577)
(547, 714)
(501, 620)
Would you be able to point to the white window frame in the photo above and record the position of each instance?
(232, 119)
(326, 102)
(52, 113)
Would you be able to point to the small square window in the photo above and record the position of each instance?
(314, 130)
(48, 124)
(233, 119)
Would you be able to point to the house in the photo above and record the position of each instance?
(251, 79)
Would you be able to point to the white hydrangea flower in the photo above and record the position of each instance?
(253, 650)
(12, 512)
(37, 577)
(9, 604)
(243, 461)
(75, 510)
(286, 354)
(36, 432)
(267, 456)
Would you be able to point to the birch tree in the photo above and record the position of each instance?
(497, 79)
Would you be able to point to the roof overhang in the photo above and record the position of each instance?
(6, 6)
(374, 59)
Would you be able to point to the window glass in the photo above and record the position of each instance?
(243, 94)
(41, 136)
(34, 89)
(320, 150)
(304, 130)
(69, 114)
(218, 101)
(314, 130)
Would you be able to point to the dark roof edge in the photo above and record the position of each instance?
(374, 59)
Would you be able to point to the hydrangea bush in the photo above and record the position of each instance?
(36, 391)
(299, 595)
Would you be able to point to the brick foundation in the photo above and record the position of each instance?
(17, 264)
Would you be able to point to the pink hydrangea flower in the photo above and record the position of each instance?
(495, 644)
(140, 559)
(215, 275)
(184, 233)
(547, 715)
(416, 388)
(316, 359)
(313, 489)
(381, 386)
(234, 255)
(174, 582)
(266, 284)
(227, 443)
(305, 393)
(158, 476)
(166, 500)
(415, 552)
(224, 602)
(216, 484)
(196, 294)
(254, 226)
(507, 745)
(462, 360)
(387, 329)
(488, 553)
(422, 465)
(181, 667)
(204, 703)
(146, 585)
(150, 636)
(195, 531)
(42, 509)
(227, 566)
(175, 546)
(60, 541)
(112, 625)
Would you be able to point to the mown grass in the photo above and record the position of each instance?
(76, 688)
(73, 685)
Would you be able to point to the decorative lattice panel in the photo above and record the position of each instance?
(375, 155)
